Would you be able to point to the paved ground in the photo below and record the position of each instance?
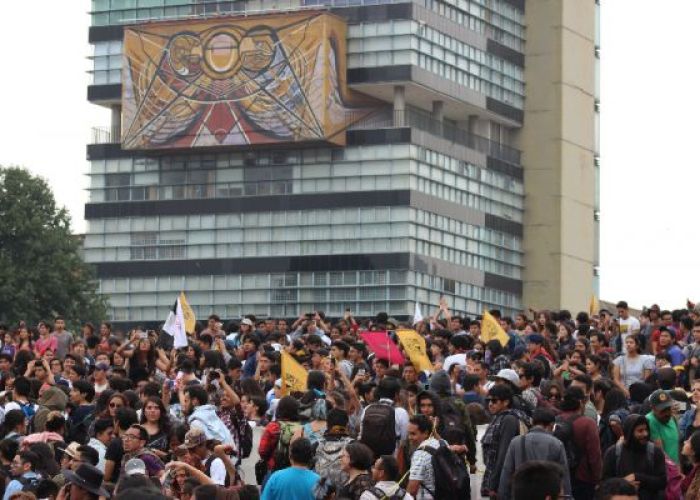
(249, 463)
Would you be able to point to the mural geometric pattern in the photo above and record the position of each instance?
(238, 81)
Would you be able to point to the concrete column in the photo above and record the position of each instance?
(438, 115)
(438, 110)
(399, 106)
(116, 123)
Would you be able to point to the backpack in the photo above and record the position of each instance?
(564, 431)
(327, 461)
(246, 440)
(207, 469)
(287, 430)
(450, 473)
(673, 473)
(452, 423)
(29, 484)
(379, 429)
(396, 495)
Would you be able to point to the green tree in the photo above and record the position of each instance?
(42, 273)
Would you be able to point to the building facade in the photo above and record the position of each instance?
(278, 158)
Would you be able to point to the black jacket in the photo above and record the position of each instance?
(633, 458)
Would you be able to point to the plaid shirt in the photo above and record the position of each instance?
(422, 469)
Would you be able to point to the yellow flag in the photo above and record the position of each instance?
(593, 305)
(187, 314)
(293, 375)
(414, 345)
(491, 329)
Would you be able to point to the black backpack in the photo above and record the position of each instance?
(246, 440)
(379, 429)
(29, 484)
(564, 431)
(452, 420)
(450, 473)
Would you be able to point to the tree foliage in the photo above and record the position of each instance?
(42, 273)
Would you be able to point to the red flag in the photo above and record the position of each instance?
(383, 347)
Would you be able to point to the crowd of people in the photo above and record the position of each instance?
(602, 405)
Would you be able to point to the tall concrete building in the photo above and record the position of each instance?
(281, 157)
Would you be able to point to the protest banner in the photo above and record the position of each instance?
(383, 347)
(414, 345)
(491, 329)
(293, 375)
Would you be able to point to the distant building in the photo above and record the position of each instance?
(282, 157)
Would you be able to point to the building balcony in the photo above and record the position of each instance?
(397, 119)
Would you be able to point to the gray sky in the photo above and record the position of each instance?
(648, 95)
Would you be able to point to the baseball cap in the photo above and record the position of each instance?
(660, 400)
(135, 466)
(193, 438)
(246, 321)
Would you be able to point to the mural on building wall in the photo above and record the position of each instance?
(236, 81)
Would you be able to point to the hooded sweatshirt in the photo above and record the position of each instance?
(53, 399)
(204, 417)
(633, 460)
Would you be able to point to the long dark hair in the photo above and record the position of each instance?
(615, 399)
(164, 420)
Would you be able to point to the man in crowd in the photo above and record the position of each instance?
(421, 478)
(663, 428)
(538, 480)
(295, 481)
(63, 337)
(539, 444)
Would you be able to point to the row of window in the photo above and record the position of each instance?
(435, 174)
(288, 295)
(338, 231)
(408, 42)
(467, 13)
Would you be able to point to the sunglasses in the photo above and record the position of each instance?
(554, 396)
(492, 400)
(115, 405)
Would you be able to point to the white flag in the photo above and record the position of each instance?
(175, 325)
(417, 316)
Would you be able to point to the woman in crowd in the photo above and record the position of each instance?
(356, 462)
(691, 482)
(614, 412)
(155, 419)
(631, 367)
(594, 367)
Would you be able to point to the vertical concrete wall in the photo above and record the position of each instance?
(558, 142)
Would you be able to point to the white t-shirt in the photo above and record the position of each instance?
(628, 326)
(217, 471)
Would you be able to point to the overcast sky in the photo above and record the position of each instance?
(649, 105)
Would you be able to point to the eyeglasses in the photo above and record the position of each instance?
(128, 437)
(492, 400)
